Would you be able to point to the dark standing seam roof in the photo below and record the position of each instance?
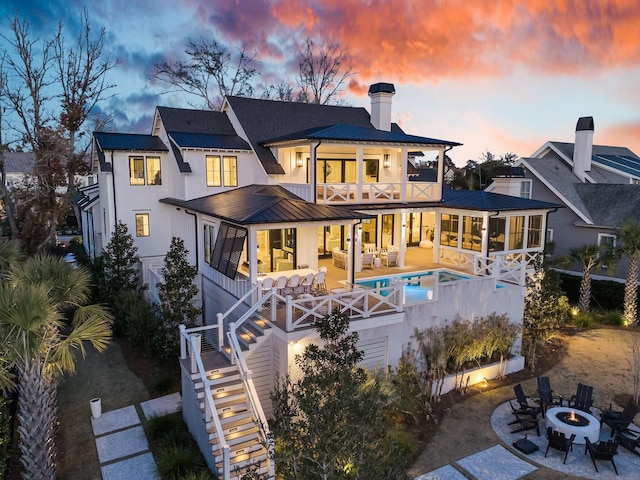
(209, 140)
(126, 142)
(353, 133)
(609, 205)
(257, 204)
(487, 201)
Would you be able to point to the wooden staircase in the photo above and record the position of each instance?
(248, 448)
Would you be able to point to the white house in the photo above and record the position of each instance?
(265, 192)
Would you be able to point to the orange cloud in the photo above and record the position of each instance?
(621, 135)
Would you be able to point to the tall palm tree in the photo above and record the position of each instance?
(628, 243)
(45, 318)
(587, 257)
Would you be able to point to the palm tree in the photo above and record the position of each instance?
(588, 257)
(628, 243)
(45, 316)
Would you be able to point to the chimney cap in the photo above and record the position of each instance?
(585, 123)
(382, 88)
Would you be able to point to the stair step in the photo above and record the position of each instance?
(237, 437)
(255, 459)
(245, 449)
(234, 424)
(231, 418)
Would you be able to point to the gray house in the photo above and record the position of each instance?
(599, 185)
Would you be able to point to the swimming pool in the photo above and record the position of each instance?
(418, 286)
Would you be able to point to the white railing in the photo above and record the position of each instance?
(211, 414)
(457, 258)
(508, 268)
(329, 193)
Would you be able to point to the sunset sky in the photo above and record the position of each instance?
(495, 75)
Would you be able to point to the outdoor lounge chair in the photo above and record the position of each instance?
(582, 400)
(546, 396)
(523, 401)
(368, 260)
(601, 451)
(559, 442)
(629, 440)
(526, 421)
(619, 421)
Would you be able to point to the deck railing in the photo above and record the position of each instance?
(379, 192)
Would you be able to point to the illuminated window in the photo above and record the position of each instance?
(139, 175)
(136, 170)
(496, 234)
(534, 237)
(449, 229)
(230, 171)
(221, 171)
(142, 224)
(472, 233)
(516, 232)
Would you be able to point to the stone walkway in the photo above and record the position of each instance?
(123, 450)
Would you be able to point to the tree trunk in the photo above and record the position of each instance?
(36, 423)
(584, 302)
(631, 292)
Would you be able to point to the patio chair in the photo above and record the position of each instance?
(319, 283)
(546, 396)
(523, 401)
(629, 440)
(392, 259)
(306, 286)
(559, 442)
(619, 422)
(292, 285)
(582, 400)
(524, 420)
(280, 284)
(602, 450)
(367, 260)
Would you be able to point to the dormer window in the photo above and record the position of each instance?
(144, 171)
(222, 171)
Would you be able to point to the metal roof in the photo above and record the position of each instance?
(209, 140)
(345, 133)
(195, 121)
(488, 201)
(261, 204)
(129, 142)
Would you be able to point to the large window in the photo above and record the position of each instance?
(496, 234)
(369, 229)
(525, 189)
(142, 224)
(221, 171)
(144, 171)
(472, 233)
(387, 230)
(449, 229)
(516, 233)
(209, 239)
(534, 237)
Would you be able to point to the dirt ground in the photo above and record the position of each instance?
(597, 357)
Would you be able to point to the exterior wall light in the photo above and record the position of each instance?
(298, 159)
(386, 163)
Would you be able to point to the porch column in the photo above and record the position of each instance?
(359, 176)
(438, 193)
(485, 235)
(403, 238)
(357, 246)
(313, 168)
(253, 254)
(404, 157)
(351, 263)
(436, 238)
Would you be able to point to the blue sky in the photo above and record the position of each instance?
(503, 76)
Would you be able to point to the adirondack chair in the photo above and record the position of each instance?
(524, 420)
(582, 400)
(619, 421)
(546, 395)
(602, 451)
(523, 401)
(558, 441)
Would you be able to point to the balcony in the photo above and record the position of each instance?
(345, 193)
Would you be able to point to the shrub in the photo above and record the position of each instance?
(162, 384)
(614, 318)
(136, 320)
(158, 426)
(606, 294)
(585, 319)
(5, 434)
(176, 461)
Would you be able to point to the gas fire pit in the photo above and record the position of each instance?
(570, 421)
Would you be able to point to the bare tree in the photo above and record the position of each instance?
(211, 72)
(322, 72)
(8, 202)
(81, 71)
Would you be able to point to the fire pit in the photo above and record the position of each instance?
(568, 421)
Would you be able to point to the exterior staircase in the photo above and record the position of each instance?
(248, 450)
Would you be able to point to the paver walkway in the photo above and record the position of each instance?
(123, 450)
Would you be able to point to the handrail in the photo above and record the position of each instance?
(252, 394)
(210, 410)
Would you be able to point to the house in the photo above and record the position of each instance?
(599, 186)
(281, 206)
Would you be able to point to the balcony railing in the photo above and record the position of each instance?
(342, 193)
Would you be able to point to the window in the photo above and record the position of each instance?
(534, 236)
(221, 171)
(606, 239)
(142, 224)
(549, 237)
(228, 248)
(141, 173)
(472, 233)
(496, 234)
(209, 238)
(449, 229)
(525, 189)
(516, 233)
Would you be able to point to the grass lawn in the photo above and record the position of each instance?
(99, 375)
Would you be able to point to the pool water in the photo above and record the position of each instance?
(418, 286)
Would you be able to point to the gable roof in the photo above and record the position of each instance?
(609, 205)
(618, 158)
(19, 162)
(186, 120)
(258, 204)
(125, 142)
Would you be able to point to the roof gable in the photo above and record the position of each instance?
(19, 162)
(609, 205)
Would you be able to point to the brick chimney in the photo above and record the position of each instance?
(381, 95)
(583, 148)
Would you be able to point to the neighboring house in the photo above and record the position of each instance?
(17, 167)
(266, 190)
(598, 185)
